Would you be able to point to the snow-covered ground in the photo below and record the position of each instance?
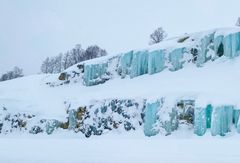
(119, 148)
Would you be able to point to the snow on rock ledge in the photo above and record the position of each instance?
(153, 117)
(171, 54)
(204, 99)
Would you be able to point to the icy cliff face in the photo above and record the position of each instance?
(95, 119)
(114, 93)
(153, 117)
(172, 54)
(220, 120)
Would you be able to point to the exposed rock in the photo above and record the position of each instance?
(51, 125)
(64, 125)
(181, 40)
(62, 76)
(36, 130)
(1, 125)
(81, 112)
(81, 68)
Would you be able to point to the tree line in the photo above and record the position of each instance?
(16, 72)
(71, 57)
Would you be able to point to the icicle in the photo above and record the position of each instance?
(94, 74)
(72, 119)
(205, 43)
(150, 118)
(139, 64)
(209, 109)
(222, 118)
(175, 58)
(156, 61)
(236, 114)
(200, 121)
(125, 64)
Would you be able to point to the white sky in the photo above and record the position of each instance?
(31, 30)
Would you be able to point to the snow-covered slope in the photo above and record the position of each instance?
(172, 54)
(201, 67)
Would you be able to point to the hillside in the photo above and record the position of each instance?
(188, 80)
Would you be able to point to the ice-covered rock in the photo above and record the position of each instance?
(150, 117)
(172, 54)
(94, 74)
(125, 64)
(236, 114)
(200, 121)
(176, 59)
(159, 116)
(52, 125)
(139, 63)
(222, 119)
(156, 61)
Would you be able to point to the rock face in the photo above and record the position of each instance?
(196, 48)
(62, 76)
(153, 117)
(13, 122)
(107, 115)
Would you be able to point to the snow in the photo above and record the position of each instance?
(213, 86)
(216, 83)
(173, 54)
(115, 148)
(139, 74)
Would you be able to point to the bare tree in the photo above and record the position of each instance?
(15, 73)
(74, 56)
(94, 51)
(58, 63)
(45, 65)
(18, 72)
(157, 36)
(238, 22)
(77, 54)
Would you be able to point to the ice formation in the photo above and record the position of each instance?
(176, 59)
(94, 74)
(152, 115)
(195, 48)
(219, 119)
(156, 61)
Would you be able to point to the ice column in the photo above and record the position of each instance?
(200, 121)
(150, 118)
(139, 63)
(222, 118)
(156, 61)
(93, 73)
(125, 64)
(175, 58)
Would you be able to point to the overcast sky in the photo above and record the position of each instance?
(31, 30)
